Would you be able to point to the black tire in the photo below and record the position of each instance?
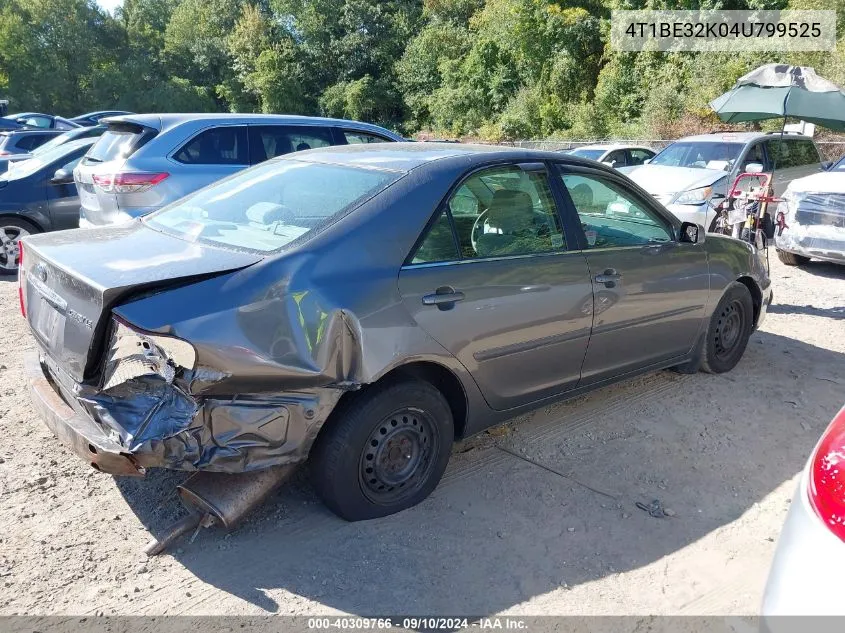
(8, 226)
(729, 330)
(791, 259)
(384, 451)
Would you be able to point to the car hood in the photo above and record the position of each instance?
(661, 180)
(824, 182)
(72, 280)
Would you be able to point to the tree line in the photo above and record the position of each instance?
(494, 69)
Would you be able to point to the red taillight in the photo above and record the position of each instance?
(827, 477)
(2, 153)
(128, 182)
(20, 279)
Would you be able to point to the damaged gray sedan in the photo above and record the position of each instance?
(363, 307)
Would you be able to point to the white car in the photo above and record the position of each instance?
(692, 175)
(813, 220)
(615, 154)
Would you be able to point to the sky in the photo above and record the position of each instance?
(110, 5)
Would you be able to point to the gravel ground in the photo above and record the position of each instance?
(501, 534)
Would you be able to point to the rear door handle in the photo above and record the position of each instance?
(609, 278)
(444, 298)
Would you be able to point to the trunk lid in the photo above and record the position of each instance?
(72, 279)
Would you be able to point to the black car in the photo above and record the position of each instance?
(93, 118)
(38, 196)
(22, 142)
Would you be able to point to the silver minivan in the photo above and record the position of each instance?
(145, 161)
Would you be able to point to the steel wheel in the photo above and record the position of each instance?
(730, 327)
(9, 249)
(397, 457)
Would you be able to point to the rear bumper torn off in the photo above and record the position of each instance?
(145, 422)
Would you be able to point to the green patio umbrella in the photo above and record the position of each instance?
(777, 91)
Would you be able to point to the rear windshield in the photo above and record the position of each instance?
(592, 154)
(118, 142)
(267, 207)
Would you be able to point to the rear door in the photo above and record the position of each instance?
(269, 141)
(496, 283)
(649, 290)
(62, 197)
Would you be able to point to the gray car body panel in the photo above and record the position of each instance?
(296, 330)
(172, 132)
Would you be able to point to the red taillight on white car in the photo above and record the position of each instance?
(20, 279)
(827, 477)
(128, 182)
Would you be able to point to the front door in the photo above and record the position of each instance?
(495, 283)
(650, 290)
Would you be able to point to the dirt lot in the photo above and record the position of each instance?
(500, 534)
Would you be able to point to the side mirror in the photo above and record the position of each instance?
(827, 164)
(754, 168)
(646, 161)
(609, 163)
(692, 233)
(62, 177)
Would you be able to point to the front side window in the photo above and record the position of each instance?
(269, 206)
(701, 155)
(269, 141)
(616, 158)
(505, 211)
(225, 145)
(640, 156)
(610, 216)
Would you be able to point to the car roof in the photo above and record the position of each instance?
(410, 155)
(96, 112)
(166, 121)
(736, 137)
(611, 146)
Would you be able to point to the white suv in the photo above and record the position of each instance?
(692, 175)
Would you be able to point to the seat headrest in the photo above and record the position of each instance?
(510, 209)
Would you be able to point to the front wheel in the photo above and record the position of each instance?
(729, 330)
(791, 259)
(384, 451)
(11, 231)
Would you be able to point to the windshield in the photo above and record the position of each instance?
(268, 206)
(701, 155)
(28, 167)
(839, 166)
(592, 154)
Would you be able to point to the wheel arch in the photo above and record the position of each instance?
(436, 374)
(756, 295)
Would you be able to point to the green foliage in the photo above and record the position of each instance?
(498, 69)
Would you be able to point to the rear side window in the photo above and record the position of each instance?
(356, 138)
(30, 141)
(225, 145)
(119, 142)
(268, 141)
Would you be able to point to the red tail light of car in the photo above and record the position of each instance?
(128, 182)
(20, 279)
(827, 477)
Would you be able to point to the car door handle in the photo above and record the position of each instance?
(609, 278)
(444, 297)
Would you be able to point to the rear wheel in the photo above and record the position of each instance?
(729, 330)
(384, 451)
(791, 259)
(11, 230)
